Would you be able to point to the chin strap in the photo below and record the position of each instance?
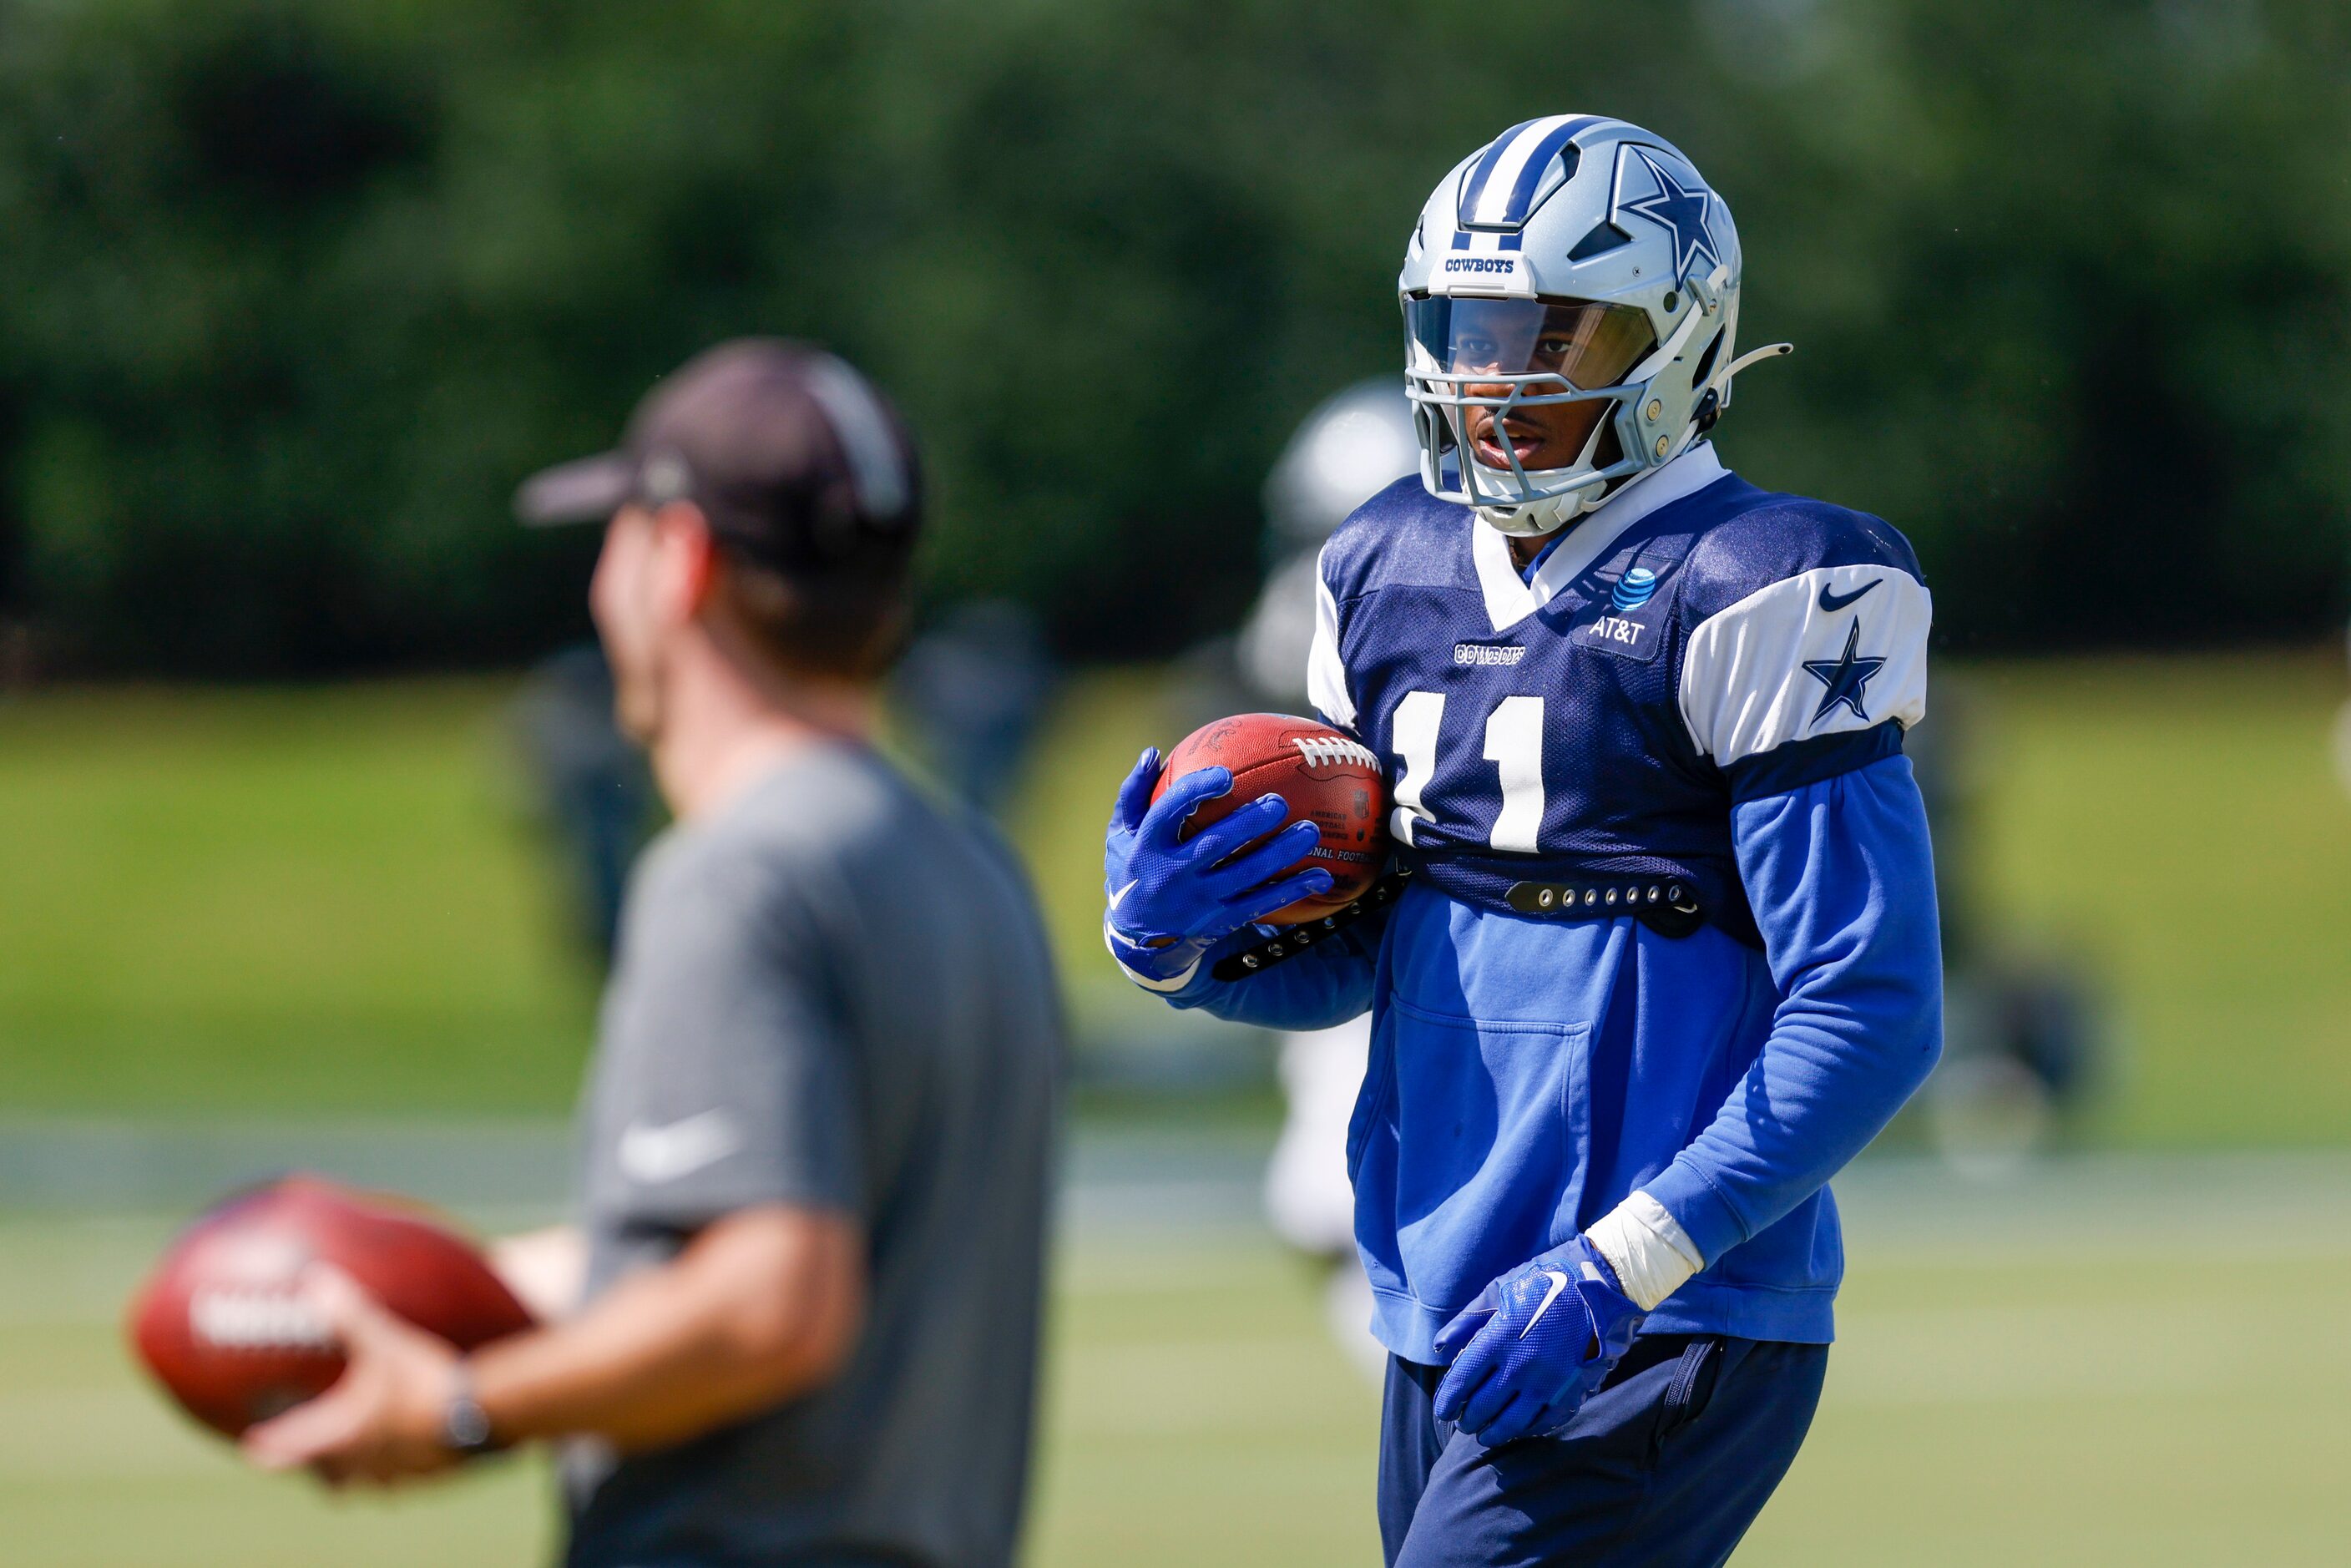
(1503, 519)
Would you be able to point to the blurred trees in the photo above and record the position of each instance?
(293, 291)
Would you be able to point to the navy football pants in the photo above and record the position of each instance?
(1664, 1467)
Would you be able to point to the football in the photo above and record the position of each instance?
(220, 1323)
(1328, 778)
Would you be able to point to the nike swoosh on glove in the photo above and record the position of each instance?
(1171, 898)
(1535, 1345)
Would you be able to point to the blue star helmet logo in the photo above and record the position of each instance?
(1847, 677)
(1680, 209)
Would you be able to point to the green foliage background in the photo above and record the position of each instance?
(293, 291)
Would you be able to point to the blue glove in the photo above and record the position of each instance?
(1535, 1345)
(1171, 899)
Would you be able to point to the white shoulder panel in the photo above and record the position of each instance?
(1326, 675)
(1838, 648)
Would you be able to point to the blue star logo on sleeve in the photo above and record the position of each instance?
(1679, 209)
(1847, 677)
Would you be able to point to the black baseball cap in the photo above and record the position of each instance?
(796, 460)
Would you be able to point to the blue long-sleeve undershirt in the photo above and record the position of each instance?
(1841, 878)
(1730, 1085)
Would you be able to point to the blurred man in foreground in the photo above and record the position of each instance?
(799, 1324)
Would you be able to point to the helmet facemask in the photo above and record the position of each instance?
(1475, 366)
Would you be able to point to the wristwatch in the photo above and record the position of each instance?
(465, 1424)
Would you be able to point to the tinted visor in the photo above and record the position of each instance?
(1588, 345)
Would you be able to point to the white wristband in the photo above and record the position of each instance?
(1651, 1254)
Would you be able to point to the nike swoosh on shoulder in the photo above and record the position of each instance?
(1121, 893)
(652, 1154)
(1558, 1283)
(1832, 600)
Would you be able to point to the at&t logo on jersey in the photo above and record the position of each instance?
(1616, 629)
(1634, 588)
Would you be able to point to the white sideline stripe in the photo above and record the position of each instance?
(76, 1190)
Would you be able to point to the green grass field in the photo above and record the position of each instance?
(1997, 1397)
(289, 904)
(2177, 820)
(322, 900)
(303, 901)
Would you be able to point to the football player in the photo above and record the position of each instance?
(1658, 954)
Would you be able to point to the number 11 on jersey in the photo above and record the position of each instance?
(1514, 733)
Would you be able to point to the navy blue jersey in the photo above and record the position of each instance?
(1700, 684)
(1685, 648)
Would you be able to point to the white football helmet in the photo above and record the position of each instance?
(1348, 450)
(1574, 260)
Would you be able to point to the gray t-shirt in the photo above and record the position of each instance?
(833, 993)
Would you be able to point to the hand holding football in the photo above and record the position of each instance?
(1326, 777)
(223, 1325)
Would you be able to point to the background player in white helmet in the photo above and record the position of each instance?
(2343, 745)
(1353, 446)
